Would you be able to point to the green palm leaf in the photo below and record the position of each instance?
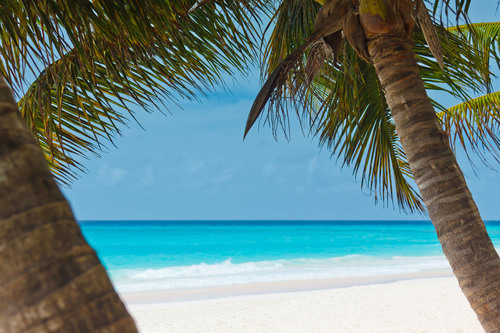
(485, 37)
(473, 124)
(355, 123)
(452, 8)
(293, 22)
(94, 60)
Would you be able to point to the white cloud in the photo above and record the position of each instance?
(269, 170)
(111, 175)
(195, 166)
(312, 168)
(116, 175)
(224, 176)
(148, 175)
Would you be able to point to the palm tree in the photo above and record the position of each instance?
(409, 138)
(91, 60)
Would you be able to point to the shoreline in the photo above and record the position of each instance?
(409, 303)
(271, 287)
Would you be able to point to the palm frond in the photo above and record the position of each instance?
(346, 109)
(464, 72)
(360, 128)
(343, 107)
(475, 125)
(95, 59)
(293, 23)
(355, 123)
(451, 9)
(485, 37)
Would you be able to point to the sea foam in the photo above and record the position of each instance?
(230, 273)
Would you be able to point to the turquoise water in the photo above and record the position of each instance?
(154, 255)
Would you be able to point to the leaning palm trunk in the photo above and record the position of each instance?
(50, 278)
(451, 208)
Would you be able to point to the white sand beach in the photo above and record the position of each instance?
(421, 304)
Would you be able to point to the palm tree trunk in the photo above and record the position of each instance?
(50, 278)
(451, 208)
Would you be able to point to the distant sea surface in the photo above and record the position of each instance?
(163, 255)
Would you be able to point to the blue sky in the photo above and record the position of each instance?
(193, 164)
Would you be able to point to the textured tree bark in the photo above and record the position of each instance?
(50, 278)
(449, 202)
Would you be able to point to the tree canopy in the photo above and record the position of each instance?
(342, 103)
(92, 60)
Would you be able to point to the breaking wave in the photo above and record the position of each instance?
(229, 273)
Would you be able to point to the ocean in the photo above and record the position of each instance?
(166, 255)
